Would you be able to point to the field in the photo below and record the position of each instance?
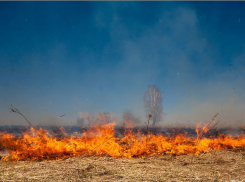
(218, 165)
(104, 153)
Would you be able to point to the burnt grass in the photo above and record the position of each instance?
(219, 165)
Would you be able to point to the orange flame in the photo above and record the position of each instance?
(100, 140)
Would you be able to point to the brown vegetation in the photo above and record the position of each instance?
(219, 165)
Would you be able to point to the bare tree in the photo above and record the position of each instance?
(153, 103)
(127, 114)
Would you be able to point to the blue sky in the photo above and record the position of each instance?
(69, 57)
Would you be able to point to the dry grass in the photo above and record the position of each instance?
(213, 166)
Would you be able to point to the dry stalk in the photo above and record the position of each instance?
(213, 120)
(15, 110)
(214, 117)
(149, 116)
(212, 128)
(208, 124)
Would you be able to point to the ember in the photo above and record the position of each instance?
(101, 140)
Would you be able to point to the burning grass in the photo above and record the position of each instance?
(100, 140)
(101, 153)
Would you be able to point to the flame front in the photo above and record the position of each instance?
(101, 140)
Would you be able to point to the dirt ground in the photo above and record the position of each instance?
(223, 165)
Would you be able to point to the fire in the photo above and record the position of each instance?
(101, 139)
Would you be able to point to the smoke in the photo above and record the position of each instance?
(127, 114)
(197, 78)
(231, 113)
(85, 119)
(197, 64)
(80, 121)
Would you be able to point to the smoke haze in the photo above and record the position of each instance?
(75, 57)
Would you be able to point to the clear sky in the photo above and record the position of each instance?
(68, 57)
